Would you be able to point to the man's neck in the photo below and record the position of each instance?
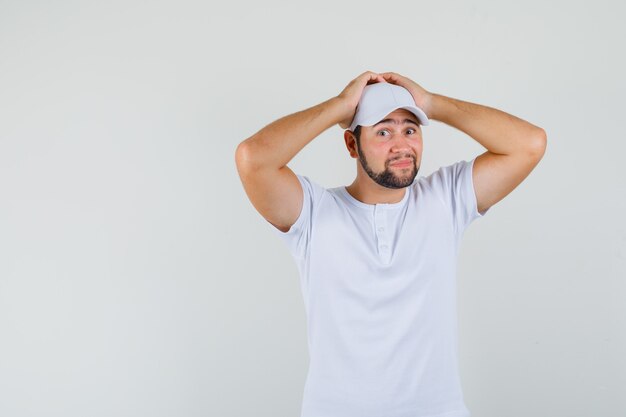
(372, 193)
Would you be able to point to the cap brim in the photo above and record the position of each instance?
(374, 118)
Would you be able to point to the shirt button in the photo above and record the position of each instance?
(381, 229)
(384, 247)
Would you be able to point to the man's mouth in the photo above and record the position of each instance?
(402, 163)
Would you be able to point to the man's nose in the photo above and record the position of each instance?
(400, 143)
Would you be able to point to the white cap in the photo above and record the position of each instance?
(380, 99)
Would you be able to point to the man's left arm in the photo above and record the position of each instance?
(514, 146)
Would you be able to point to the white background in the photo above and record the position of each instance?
(136, 278)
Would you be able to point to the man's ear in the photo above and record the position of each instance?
(350, 140)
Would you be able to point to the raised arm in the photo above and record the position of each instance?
(514, 146)
(273, 188)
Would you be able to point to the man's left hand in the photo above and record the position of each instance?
(423, 98)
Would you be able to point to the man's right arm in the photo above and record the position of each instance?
(271, 186)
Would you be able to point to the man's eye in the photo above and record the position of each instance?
(382, 132)
(412, 130)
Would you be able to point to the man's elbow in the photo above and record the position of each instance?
(243, 157)
(539, 143)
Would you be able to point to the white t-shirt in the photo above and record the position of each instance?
(379, 288)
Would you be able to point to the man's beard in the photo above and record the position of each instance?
(388, 178)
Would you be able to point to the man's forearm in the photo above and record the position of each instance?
(499, 132)
(277, 143)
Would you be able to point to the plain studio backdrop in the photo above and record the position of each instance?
(136, 278)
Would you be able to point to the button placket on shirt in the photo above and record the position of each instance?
(380, 225)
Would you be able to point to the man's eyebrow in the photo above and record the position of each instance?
(395, 122)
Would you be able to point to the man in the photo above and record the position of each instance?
(377, 259)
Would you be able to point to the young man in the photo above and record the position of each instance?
(377, 259)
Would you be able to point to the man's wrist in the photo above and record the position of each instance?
(341, 110)
(437, 107)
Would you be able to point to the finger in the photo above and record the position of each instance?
(368, 75)
(374, 76)
(394, 78)
(389, 76)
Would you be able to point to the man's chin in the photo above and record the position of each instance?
(405, 180)
(400, 182)
(395, 186)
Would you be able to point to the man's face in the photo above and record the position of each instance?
(390, 152)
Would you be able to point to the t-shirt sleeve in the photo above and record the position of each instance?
(455, 187)
(297, 238)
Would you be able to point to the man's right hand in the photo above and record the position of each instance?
(351, 95)
(272, 187)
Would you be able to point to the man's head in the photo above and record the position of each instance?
(382, 147)
(386, 130)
